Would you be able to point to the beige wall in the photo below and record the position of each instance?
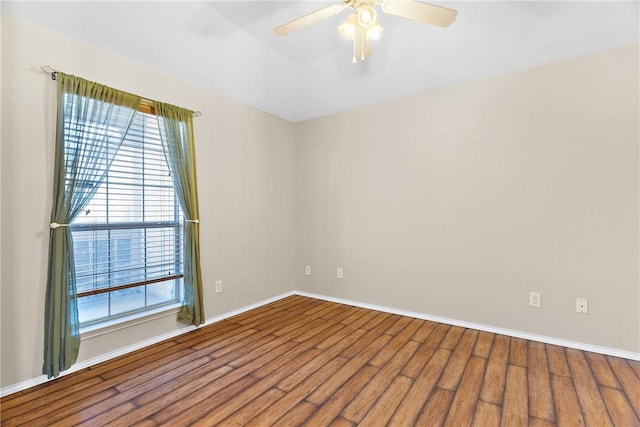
(245, 173)
(458, 203)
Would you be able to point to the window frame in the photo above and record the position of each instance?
(145, 109)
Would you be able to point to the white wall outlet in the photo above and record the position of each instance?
(307, 270)
(339, 273)
(534, 299)
(218, 286)
(582, 305)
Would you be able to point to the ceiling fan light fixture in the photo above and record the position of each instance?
(374, 32)
(366, 16)
(348, 28)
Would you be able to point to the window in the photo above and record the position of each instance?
(128, 241)
(112, 193)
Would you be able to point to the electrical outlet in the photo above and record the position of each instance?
(582, 305)
(218, 286)
(534, 299)
(307, 270)
(339, 273)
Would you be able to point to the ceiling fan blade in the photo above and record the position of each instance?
(418, 11)
(362, 45)
(312, 18)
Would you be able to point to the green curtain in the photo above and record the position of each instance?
(92, 121)
(176, 133)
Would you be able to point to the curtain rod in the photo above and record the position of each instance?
(52, 71)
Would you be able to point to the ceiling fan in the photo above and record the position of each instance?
(362, 25)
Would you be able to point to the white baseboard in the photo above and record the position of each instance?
(509, 332)
(14, 388)
(479, 326)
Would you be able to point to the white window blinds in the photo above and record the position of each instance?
(128, 241)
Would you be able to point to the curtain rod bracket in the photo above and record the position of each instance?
(49, 70)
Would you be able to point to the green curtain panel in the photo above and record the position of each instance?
(92, 120)
(176, 133)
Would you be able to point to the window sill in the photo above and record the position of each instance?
(124, 322)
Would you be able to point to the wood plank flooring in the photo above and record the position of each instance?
(302, 361)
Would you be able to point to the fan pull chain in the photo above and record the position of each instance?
(362, 45)
(354, 50)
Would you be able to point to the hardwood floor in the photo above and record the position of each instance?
(301, 361)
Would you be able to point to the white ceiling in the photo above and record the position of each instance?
(230, 48)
